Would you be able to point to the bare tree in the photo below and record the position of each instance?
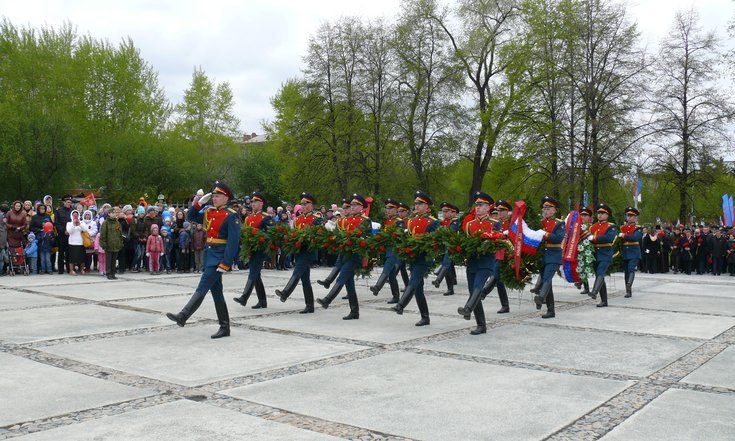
(691, 110)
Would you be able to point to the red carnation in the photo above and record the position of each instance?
(381, 248)
(273, 246)
(363, 243)
(459, 248)
(298, 244)
(435, 246)
(293, 234)
(348, 243)
(408, 250)
(359, 233)
(262, 239)
(377, 237)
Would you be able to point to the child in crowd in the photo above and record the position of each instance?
(45, 242)
(198, 240)
(31, 252)
(184, 248)
(168, 246)
(154, 250)
(100, 254)
(111, 241)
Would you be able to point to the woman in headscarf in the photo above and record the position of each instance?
(91, 226)
(17, 223)
(74, 229)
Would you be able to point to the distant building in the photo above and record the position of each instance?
(253, 138)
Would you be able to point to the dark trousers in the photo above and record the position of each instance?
(652, 263)
(718, 263)
(111, 263)
(63, 241)
(478, 278)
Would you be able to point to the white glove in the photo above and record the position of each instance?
(147, 254)
(161, 254)
(590, 237)
(621, 235)
(220, 270)
(200, 192)
(648, 251)
(505, 232)
(204, 199)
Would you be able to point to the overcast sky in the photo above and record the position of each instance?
(257, 45)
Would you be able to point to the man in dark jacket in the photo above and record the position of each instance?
(719, 250)
(62, 216)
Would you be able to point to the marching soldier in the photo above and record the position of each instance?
(337, 263)
(391, 263)
(222, 224)
(304, 258)
(356, 221)
(602, 235)
(403, 214)
(261, 221)
(502, 209)
(586, 215)
(480, 269)
(553, 237)
(631, 235)
(421, 223)
(450, 219)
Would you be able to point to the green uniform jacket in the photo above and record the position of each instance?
(111, 238)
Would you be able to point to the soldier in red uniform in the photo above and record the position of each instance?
(602, 235)
(222, 224)
(421, 223)
(391, 262)
(257, 219)
(553, 237)
(404, 212)
(502, 210)
(450, 219)
(338, 263)
(480, 269)
(355, 222)
(304, 258)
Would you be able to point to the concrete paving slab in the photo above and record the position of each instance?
(434, 398)
(48, 280)
(373, 326)
(113, 290)
(179, 420)
(32, 390)
(716, 372)
(572, 349)
(681, 303)
(441, 304)
(649, 322)
(67, 321)
(10, 299)
(187, 356)
(175, 303)
(680, 415)
(697, 288)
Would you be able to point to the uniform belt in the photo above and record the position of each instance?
(216, 240)
(631, 243)
(602, 245)
(552, 245)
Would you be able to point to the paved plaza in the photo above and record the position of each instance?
(84, 358)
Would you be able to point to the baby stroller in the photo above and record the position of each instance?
(17, 262)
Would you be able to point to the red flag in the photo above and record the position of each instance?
(517, 218)
(89, 200)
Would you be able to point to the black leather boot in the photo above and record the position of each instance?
(488, 286)
(326, 301)
(354, 307)
(380, 282)
(586, 289)
(404, 275)
(540, 298)
(223, 317)
(424, 310)
(395, 291)
(288, 289)
(243, 299)
(537, 287)
(629, 285)
(549, 305)
(404, 300)
(503, 296)
(440, 276)
(262, 299)
(308, 300)
(599, 281)
(603, 295)
(451, 279)
(191, 306)
(475, 298)
(330, 277)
